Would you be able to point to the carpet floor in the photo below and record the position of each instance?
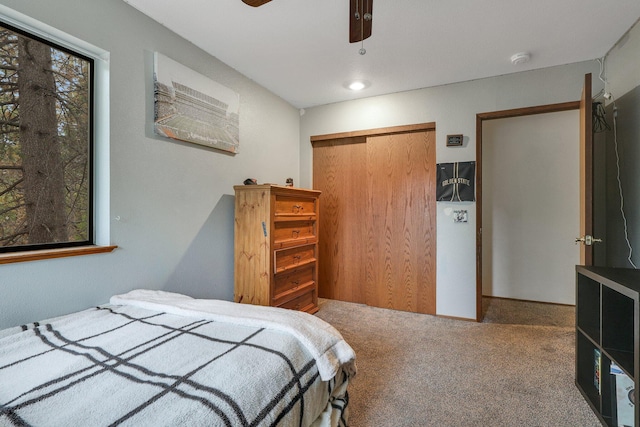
(514, 369)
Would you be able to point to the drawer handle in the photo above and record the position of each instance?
(295, 282)
(295, 234)
(296, 259)
(297, 208)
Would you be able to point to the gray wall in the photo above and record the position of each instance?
(622, 63)
(453, 108)
(171, 203)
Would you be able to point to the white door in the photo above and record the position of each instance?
(531, 207)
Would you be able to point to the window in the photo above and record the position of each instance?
(46, 144)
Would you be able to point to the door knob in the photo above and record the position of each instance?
(588, 240)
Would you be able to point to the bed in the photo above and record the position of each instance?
(154, 358)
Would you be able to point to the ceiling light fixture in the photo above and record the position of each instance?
(357, 85)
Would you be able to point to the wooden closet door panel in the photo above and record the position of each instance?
(339, 172)
(401, 240)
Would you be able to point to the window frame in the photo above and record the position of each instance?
(90, 151)
(100, 132)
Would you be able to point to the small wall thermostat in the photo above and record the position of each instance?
(454, 140)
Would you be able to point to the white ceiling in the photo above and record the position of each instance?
(300, 50)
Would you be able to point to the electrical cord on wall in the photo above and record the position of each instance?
(608, 96)
(624, 218)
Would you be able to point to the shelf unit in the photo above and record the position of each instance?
(607, 334)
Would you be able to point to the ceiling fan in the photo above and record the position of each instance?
(360, 17)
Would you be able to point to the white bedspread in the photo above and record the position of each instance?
(154, 358)
(321, 340)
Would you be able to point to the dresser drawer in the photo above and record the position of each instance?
(291, 205)
(304, 302)
(292, 258)
(291, 233)
(293, 280)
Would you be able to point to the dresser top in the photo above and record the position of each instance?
(278, 188)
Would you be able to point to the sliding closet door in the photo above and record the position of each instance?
(339, 171)
(401, 222)
(378, 217)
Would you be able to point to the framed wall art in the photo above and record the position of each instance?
(456, 182)
(193, 108)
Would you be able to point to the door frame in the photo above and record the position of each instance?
(480, 119)
(586, 170)
(419, 127)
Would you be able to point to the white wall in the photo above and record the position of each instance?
(531, 206)
(622, 63)
(174, 200)
(453, 108)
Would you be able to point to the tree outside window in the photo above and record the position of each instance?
(45, 144)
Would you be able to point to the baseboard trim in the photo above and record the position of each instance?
(529, 300)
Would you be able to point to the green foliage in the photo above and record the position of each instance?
(73, 105)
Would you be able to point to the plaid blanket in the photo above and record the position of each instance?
(128, 365)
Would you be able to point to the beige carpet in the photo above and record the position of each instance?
(420, 370)
(506, 311)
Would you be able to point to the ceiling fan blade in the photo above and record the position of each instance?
(256, 3)
(357, 11)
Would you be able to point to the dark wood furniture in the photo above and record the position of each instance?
(607, 333)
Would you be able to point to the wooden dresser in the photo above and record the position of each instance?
(276, 246)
